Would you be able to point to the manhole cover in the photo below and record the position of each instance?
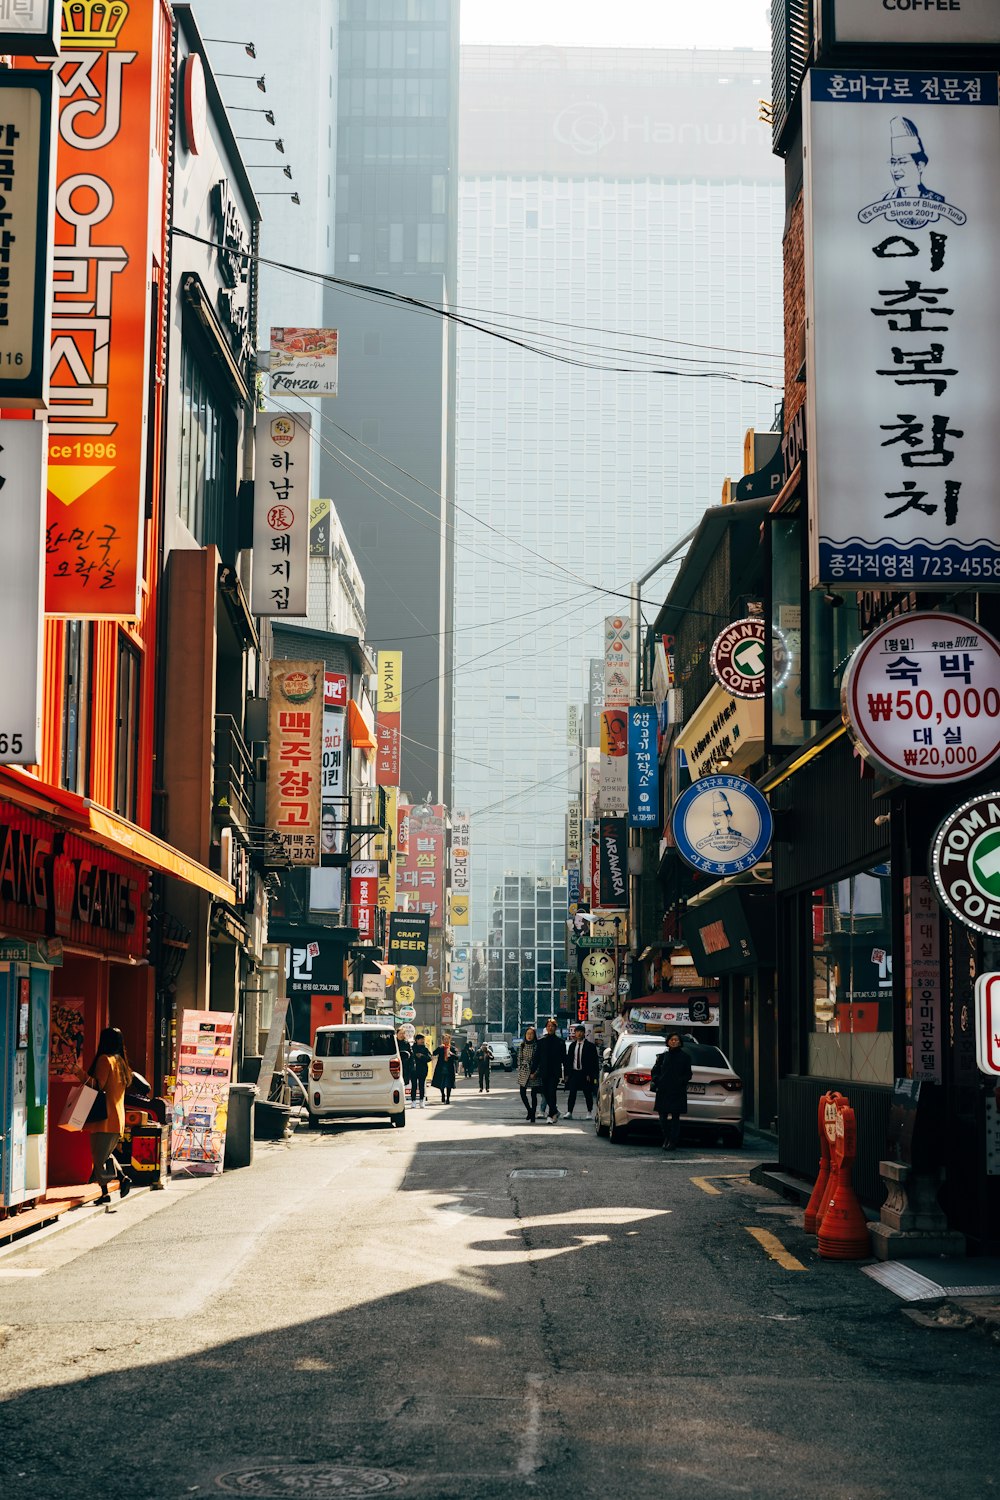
(539, 1172)
(318, 1481)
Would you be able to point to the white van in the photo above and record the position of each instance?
(356, 1071)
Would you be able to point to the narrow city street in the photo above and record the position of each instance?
(474, 1307)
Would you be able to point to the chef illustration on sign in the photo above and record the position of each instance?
(909, 202)
(724, 838)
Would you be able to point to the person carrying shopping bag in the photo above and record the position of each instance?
(111, 1075)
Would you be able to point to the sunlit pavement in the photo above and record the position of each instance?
(475, 1306)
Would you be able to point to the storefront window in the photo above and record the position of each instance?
(850, 1021)
(787, 726)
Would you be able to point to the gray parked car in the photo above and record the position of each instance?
(625, 1102)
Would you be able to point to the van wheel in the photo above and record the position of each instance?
(399, 1120)
(314, 1120)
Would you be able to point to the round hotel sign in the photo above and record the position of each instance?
(722, 825)
(965, 863)
(921, 698)
(738, 657)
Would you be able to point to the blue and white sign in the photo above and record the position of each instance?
(573, 887)
(722, 825)
(643, 769)
(902, 217)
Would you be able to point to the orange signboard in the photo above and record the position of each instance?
(100, 309)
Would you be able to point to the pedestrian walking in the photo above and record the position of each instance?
(668, 1081)
(484, 1059)
(468, 1059)
(527, 1078)
(582, 1065)
(550, 1065)
(111, 1075)
(444, 1068)
(405, 1056)
(420, 1062)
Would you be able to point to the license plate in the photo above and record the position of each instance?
(361, 1073)
(693, 1088)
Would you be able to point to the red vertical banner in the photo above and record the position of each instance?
(364, 898)
(403, 828)
(99, 385)
(388, 722)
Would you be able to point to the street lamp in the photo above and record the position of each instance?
(261, 84)
(294, 196)
(227, 41)
(250, 109)
(279, 144)
(268, 166)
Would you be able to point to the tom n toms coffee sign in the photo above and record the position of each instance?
(965, 863)
(738, 657)
(912, 23)
(921, 698)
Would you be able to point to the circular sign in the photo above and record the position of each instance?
(738, 657)
(405, 994)
(721, 825)
(406, 1012)
(467, 1014)
(409, 973)
(598, 968)
(921, 698)
(965, 863)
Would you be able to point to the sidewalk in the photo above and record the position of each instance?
(55, 1202)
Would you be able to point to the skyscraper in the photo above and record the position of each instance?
(620, 210)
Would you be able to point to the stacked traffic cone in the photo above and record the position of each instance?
(818, 1198)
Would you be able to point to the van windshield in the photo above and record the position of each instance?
(355, 1043)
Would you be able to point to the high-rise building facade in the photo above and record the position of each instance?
(622, 211)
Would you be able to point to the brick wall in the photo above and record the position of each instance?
(795, 310)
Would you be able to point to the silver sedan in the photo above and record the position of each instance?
(625, 1102)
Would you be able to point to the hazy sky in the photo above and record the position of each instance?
(627, 23)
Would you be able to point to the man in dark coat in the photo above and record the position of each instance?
(670, 1077)
(582, 1064)
(550, 1064)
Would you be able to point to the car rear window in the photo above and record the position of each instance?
(355, 1043)
(703, 1056)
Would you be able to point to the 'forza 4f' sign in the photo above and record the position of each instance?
(965, 863)
(902, 216)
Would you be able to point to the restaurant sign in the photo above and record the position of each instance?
(965, 863)
(722, 825)
(295, 758)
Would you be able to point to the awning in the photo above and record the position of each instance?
(358, 733)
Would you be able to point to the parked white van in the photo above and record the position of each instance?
(356, 1071)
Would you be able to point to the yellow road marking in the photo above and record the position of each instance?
(774, 1248)
(705, 1183)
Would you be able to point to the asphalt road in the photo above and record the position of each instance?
(474, 1307)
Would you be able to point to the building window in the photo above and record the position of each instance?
(207, 480)
(76, 707)
(127, 731)
(850, 1023)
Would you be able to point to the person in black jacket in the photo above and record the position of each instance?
(419, 1063)
(405, 1056)
(582, 1065)
(549, 1065)
(485, 1059)
(445, 1059)
(670, 1077)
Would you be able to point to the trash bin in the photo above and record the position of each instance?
(239, 1125)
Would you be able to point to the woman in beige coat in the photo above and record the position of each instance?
(109, 1072)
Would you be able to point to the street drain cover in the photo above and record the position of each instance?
(316, 1481)
(539, 1172)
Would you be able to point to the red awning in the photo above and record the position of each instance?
(358, 733)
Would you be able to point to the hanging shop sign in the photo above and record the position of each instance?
(574, 834)
(282, 480)
(304, 361)
(700, 1010)
(295, 758)
(612, 791)
(364, 898)
(617, 661)
(409, 935)
(643, 768)
(388, 722)
(965, 863)
(27, 175)
(987, 999)
(22, 508)
(915, 23)
(723, 732)
(738, 657)
(921, 698)
(109, 207)
(902, 211)
(922, 980)
(320, 528)
(29, 28)
(201, 1094)
(461, 875)
(420, 871)
(598, 970)
(613, 874)
(722, 825)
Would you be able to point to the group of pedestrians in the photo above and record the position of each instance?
(417, 1058)
(544, 1061)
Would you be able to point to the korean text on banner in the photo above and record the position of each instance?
(612, 793)
(420, 870)
(201, 1093)
(30, 27)
(27, 168)
(282, 481)
(364, 898)
(902, 214)
(22, 501)
(388, 724)
(617, 661)
(295, 758)
(643, 768)
(461, 880)
(99, 386)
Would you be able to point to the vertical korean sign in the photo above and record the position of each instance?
(617, 661)
(295, 758)
(22, 509)
(613, 788)
(388, 724)
(201, 1094)
(282, 480)
(326, 883)
(902, 217)
(614, 863)
(364, 898)
(643, 768)
(922, 955)
(461, 879)
(27, 181)
(420, 869)
(99, 383)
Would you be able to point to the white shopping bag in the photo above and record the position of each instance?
(78, 1107)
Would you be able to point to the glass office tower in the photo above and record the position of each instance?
(604, 194)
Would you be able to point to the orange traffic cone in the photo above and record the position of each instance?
(843, 1232)
(818, 1198)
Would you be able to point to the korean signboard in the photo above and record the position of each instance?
(617, 661)
(282, 479)
(460, 871)
(30, 27)
(614, 863)
(201, 1093)
(574, 833)
(922, 957)
(965, 863)
(921, 698)
(643, 768)
(364, 898)
(27, 174)
(22, 508)
(326, 891)
(613, 789)
(722, 731)
(420, 871)
(902, 204)
(295, 758)
(99, 385)
(303, 361)
(409, 934)
(388, 723)
(914, 23)
(721, 825)
(403, 828)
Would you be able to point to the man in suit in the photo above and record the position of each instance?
(550, 1063)
(581, 1071)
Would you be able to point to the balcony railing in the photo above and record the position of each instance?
(233, 786)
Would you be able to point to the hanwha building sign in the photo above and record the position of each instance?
(965, 863)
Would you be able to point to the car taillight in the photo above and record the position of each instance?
(316, 1068)
(640, 1080)
(733, 1085)
(395, 1066)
